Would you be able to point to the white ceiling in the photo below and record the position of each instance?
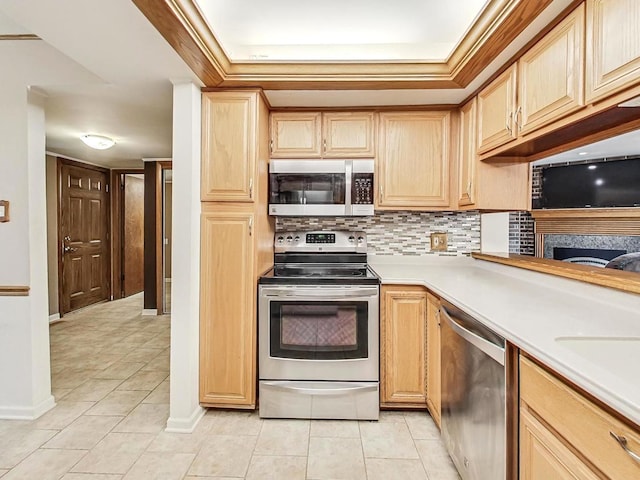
(106, 70)
(339, 30)
(118, 80)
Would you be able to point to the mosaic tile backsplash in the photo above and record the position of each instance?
(401, 232)
(521, 234)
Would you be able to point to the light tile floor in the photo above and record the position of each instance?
(110, 369)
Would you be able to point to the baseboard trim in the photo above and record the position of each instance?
(149, 311)
(54, 317)
(185, 425)
(27, 413)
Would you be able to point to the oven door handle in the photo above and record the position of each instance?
(287, 386)
(316, 293)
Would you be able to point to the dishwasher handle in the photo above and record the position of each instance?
(494, 351)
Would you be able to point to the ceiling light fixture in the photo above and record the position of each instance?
(99, 142)
(582, 153)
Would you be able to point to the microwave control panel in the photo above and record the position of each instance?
(362, 189)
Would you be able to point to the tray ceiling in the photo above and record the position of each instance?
(342, 45)
(338, 30)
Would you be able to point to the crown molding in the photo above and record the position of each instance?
(184, 27)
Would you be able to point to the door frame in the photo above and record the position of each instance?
(117, 226)
(60, 161)
(163, 165)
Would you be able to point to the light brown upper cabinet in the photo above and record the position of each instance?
(613, 53)
(228, 146)
(496, 107)
(413, 160)
(322, 134)
(296, 135)
(545, 85)
(467, 157)
(550, 75)
(500, 185)
(348, 134)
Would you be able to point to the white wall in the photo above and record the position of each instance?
(25, 378)
(494, 232)
(184, 409)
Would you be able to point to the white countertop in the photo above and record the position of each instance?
(531, 310)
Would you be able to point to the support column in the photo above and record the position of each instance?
(184, 409)
(25, 370)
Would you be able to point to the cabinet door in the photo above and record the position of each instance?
(543, 456)
(613, 47)
(348, 134)
(228, 146)
(403, 346)
(496, 108)
(467, 155)
(296, 135)
(413, 160)
(433, 357)
(227, 309)
(550, 75)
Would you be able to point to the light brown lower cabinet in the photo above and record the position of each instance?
(543, 456)
(565, 435)
(403, 338)
(433, 357)
(228, 307)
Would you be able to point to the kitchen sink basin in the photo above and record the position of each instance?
(619, 355)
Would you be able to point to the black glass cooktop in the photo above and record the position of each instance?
(320, 274)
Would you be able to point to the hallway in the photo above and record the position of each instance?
(110, 369)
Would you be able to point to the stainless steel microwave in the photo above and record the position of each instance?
(321, 187)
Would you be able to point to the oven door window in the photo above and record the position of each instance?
(315, 189)
(319, 330)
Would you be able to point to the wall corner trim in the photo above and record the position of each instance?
(27, 413)
(185, 425)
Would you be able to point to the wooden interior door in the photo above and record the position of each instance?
(133, 235)
(84, 236)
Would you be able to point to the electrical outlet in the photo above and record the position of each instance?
(439, 242)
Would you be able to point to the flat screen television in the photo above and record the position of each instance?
(613, 183)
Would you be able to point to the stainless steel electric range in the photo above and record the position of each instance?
(318, 328)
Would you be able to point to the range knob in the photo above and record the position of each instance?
(360, 239)
(297, 239)
(280, 239)
(352, 238)
(289, 238)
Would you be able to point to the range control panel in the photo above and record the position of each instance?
(321, 241)
(321, 238)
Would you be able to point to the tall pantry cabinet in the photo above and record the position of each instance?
(236, 243)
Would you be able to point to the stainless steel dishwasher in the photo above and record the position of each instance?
(473, 396)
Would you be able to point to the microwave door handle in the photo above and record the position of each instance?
(348, 173)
